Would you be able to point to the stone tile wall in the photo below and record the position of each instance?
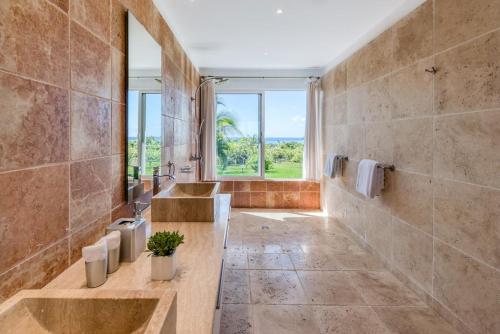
(437, 224)
(274, 194)
(62, 135)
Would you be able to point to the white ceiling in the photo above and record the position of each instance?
(249, 34)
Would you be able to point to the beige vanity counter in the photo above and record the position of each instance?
(199, 262)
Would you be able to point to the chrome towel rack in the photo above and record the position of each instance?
(387, 167)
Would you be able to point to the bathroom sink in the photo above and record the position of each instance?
(84, 311)
(186, 202)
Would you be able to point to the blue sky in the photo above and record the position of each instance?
(153, 115)
(285, 112)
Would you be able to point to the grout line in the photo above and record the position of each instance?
(73, 19)
(25, 77)
(433, 186)
(58, 8)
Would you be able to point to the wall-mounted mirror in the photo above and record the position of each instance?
(143, 109)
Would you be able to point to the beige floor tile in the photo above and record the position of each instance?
(284, 319)
(348, 320)
(359, 261)
(269, 261)
(236, 260)
(236, 288)
(329, 288)
(261, 247)
(413, 320)
(319, 259)
(236, 319)
(276, 287)
(382, 288)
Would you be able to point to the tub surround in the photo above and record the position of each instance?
(63, 88)
(273, 194)
(436, 223)
(199, 262)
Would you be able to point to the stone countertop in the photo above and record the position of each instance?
(199, 262)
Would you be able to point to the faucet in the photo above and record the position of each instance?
(138, 208)
(157, 176)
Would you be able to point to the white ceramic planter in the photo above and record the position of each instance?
(163, 267)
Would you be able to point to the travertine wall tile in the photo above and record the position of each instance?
(413, 144)
(413, 36)
(90, 63)
(467, 77)
(379, 142)
(49, 100)
(34, 210)
(411, 91)
(118, 77)
(467, 287)
(118, 130)
(442, 132)
(35, 126)
(92, 14)
(412, 199)
(412, 253)
(467, 147)
(90, 126)
(466, 217)
(42, 53)
(379, 230)
(459, 20)
(90, 191)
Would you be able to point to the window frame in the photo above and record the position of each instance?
(262, 137)
(141, 127)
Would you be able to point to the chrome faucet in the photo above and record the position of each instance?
(138, 208)
(157, 176)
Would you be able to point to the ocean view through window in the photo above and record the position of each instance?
(260, 135)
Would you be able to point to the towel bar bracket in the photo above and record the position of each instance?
(388, 167)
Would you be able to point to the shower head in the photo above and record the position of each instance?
(220, 80)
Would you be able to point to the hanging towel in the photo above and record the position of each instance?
(370, 178)
(333, 165)
(329, 163)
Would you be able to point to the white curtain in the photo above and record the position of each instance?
(209, 162)
(312, 140)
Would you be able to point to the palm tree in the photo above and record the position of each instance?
(226, 125)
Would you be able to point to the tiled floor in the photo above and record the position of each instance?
(297, 272)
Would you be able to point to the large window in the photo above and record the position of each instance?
(260, 134)
(144, 131)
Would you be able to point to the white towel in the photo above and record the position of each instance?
(370, 178)
(329, 163)
(333, 165)
(113, 239)
(96, 252)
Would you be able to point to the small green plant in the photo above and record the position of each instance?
(165, 243)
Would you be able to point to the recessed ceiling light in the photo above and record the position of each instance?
(266, 53)
(279, 11)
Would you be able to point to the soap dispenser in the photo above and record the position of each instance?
(133, 234)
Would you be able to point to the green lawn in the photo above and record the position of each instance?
(283, 170)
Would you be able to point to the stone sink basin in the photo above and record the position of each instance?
(84, 311)
(186, 202)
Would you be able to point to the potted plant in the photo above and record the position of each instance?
(162, 245)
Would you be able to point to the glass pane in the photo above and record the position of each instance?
(133, 129)
(152, 132)
(237, 134)
(285, 116)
